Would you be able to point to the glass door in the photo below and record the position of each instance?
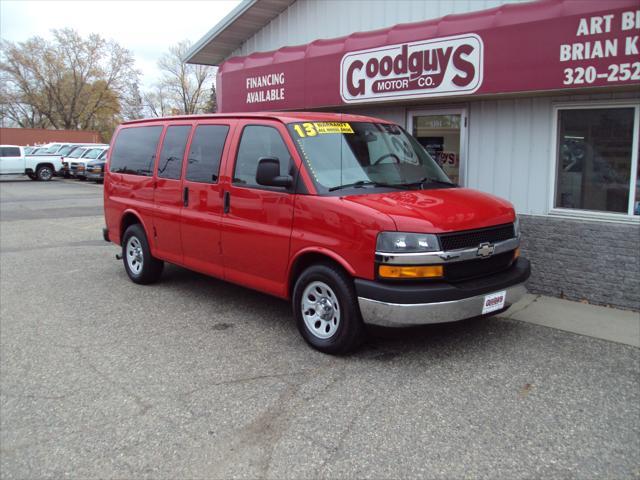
(444, 134)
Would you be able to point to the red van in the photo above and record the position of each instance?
(347, 216)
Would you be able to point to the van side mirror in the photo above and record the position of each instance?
(268, 173)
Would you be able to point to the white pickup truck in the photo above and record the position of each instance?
(13, 161)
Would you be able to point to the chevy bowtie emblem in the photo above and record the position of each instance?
(485, 250)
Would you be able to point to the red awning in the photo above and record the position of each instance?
(538, 46)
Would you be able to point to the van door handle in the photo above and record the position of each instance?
(227, 202)
(185, 196)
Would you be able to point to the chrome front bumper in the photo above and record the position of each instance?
(386, 314)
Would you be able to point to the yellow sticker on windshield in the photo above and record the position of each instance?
(311, 129)
(333, 127)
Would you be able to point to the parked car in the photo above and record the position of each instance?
(347, 216)
(73, 152)
(13, 161)
(78, 166)
(95, 168)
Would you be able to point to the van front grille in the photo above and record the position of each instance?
(459, 271)
(473, 238)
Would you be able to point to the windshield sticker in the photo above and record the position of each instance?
(310, 129)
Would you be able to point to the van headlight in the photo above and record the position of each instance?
(516, 227)
(399, 242)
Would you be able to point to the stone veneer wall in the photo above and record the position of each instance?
(583, 260)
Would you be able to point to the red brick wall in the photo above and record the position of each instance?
(32, 136)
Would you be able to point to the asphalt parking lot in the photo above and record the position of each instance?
(195, 378)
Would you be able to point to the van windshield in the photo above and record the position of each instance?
(360, 154)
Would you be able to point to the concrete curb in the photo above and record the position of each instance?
(621, 326)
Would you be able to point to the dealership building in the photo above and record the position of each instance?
(536, 102)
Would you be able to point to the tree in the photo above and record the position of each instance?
(183, 87)
(212, 103)
(156, 102)
(68, 82)
(133, 104)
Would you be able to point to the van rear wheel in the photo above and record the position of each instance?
(139, 264)
(326, 310)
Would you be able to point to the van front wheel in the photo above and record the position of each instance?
(141, 267)
(326, 310)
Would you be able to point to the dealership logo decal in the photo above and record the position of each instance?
(442, 66)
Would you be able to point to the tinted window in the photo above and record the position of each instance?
(135, 150)
(257, 142)
(172, 153)
(9, 152)
(205, 152)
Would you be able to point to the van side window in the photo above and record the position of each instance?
(205, 153)
(259, 141)
(9, 152)
(135, 150)
(172, 153)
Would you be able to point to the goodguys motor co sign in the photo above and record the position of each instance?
(428, 68)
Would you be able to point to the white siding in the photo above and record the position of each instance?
(308, 20)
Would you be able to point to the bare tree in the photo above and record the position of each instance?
(69, 82)
(185, 86)
(156, 101)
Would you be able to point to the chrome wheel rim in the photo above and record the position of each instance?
(135, 259)
(45, 174)
(320, 310)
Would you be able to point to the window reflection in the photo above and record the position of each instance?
(594, 159)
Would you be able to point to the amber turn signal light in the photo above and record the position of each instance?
(516, 253)
(393, 271)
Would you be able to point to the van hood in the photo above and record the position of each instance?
(440, 210)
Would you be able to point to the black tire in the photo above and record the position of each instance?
(44, 173)
(350, 331)
(150, 267)
(32, 176)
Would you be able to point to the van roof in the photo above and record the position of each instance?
(284, 117)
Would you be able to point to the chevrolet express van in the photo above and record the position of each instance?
(346, 216)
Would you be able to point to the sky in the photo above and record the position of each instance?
(146, 27)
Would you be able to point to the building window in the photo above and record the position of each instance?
(596, 167)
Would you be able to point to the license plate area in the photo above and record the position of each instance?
(494, 301)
